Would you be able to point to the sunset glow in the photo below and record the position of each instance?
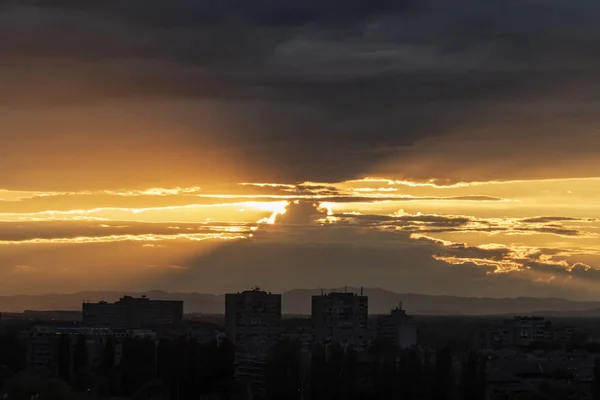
(441, 149)
(510, 228)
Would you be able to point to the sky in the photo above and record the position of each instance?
(431, 146)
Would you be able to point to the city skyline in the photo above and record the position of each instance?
(420, 148)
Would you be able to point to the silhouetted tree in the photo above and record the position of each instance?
(426, 381)
(5, 374)
(334, 371)
(416, 377)
(283, 371)
(318, 366)
(596, 380)
(220, 360)
(473, 377)
(25, 386)
(578, 340)
(12, 351)
(137, 364)
(80, 358)
(350, 375)
(151, 390)
(188, 369)
(385, 372)
(166, 364)
(444, 385)
(106, 377)
(84, 380)
(108, 356)
(175, 366)
(64, 357)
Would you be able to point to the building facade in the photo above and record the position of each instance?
(253, 324)
(340, 318)
(41, 343)
(41, 348)
(132, 313)
(399, 328)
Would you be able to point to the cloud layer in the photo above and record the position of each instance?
(299, 91)
(360, 232)
(201, 145)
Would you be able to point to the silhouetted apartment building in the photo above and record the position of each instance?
(399, 328)
(253, 324)
(340, 318)
(41, 344)
(132, 313)
(40, 348)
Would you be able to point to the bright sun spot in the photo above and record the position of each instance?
(276, 208)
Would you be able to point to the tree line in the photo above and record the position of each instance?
(384, 372)
(168, 369)
(183, 369)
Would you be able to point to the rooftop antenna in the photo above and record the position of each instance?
(361, 290)
(400, 305)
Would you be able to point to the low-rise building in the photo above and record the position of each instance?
(523, 331)
(132, 313)
(399, 328)
(41, 343)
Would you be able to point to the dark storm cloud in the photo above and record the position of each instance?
(321, 89)
(373, 32)
(282, 261)
(153, 13)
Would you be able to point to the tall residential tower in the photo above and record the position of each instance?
(253, 324)
(340, 317)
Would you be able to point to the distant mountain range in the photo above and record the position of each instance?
(298, 302)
